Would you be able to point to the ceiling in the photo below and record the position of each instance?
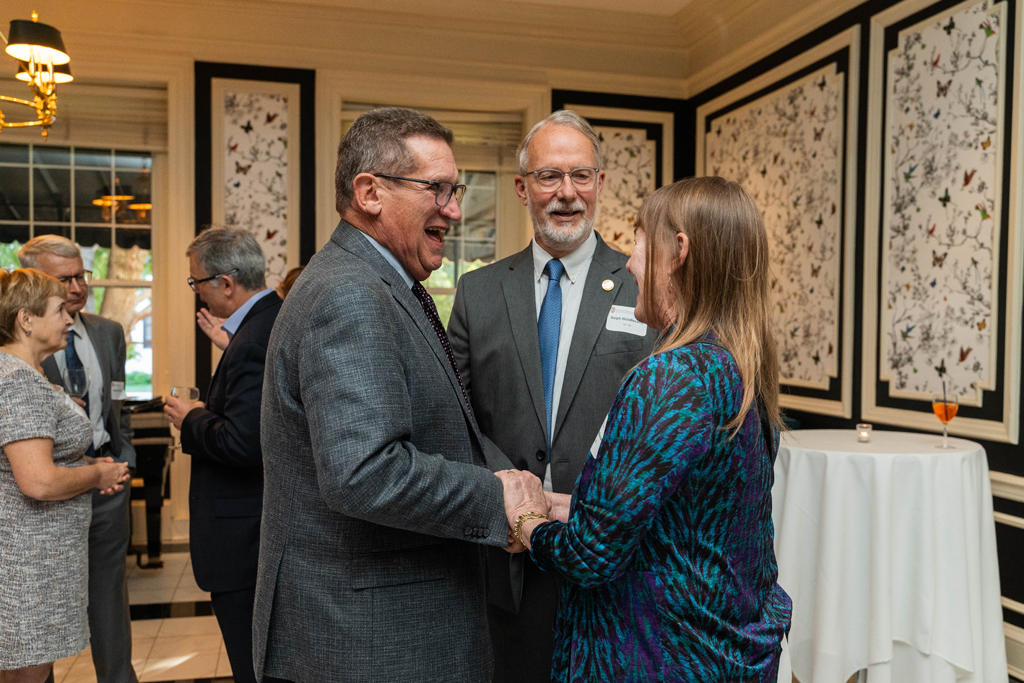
(656, 8)
(693, 34)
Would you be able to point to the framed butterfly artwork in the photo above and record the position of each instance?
(789, 137)
(255, 163)
(942, 284)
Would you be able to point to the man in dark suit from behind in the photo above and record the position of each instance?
(541, 354)
(98, 345)
(223, 435)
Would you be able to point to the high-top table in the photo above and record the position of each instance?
(888, 551)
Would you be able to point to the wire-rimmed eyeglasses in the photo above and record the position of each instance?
(582, 178)
(441, 189)
(192, 282)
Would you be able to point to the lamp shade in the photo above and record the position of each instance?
(61, 73)
(29, 40)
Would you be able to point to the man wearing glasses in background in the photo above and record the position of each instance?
(228, 271)
(379, 497)
(98, 345)
(542, 359)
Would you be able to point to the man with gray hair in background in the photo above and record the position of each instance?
(543, 339)
(222, 435)
(378, 497)
(98, 345)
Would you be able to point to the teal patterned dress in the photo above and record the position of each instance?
(667, 556)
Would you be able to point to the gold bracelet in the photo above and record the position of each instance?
(517, 531)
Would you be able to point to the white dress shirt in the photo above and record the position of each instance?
(574, 278)
(87, 354)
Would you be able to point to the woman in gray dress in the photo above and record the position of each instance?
(44, 481)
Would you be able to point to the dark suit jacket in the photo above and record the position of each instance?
(226, 490)
(107, 338)
(493, 332)
(378, 495)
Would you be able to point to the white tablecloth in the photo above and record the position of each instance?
(888, 551)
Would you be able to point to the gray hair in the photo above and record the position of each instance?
(54, 245)
(221, 250)
(569, 119)
(376, 144)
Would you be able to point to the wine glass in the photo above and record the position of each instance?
(186, 394)
(76, 382)
(945, 406)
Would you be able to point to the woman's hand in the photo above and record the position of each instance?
(524, 493)
(113, 475)
(558, 504)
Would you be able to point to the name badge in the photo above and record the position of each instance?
(117, 392)
(622, 319)
(596, 447)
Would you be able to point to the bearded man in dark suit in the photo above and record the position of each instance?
(543, 340)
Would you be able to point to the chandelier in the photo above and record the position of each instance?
(42, 63)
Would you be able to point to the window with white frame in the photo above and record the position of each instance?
(102, 200)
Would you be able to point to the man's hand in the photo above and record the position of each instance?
(210, 325)
(514, 546)
(523, 493)
(176, 409)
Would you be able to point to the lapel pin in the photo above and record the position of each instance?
(607, 285)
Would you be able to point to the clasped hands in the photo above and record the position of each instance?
(113, 475)
(524, 493)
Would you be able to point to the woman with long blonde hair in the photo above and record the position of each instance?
(666, 551)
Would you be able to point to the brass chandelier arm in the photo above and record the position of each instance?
(5, 98)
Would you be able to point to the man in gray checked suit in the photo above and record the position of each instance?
(542, 353)
(378, 500)
(99, 347)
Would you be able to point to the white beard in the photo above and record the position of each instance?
(563, 238)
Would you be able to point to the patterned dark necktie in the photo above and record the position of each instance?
(427, 302)
(73, 362)
(549, 326)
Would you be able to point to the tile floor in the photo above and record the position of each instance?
(172, 649)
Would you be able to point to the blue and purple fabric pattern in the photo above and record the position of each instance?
(668, 552)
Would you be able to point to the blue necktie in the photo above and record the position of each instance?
(548, 328)
(72, 360)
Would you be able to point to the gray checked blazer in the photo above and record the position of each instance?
(107, 339)
(379, 497)
(493, 332)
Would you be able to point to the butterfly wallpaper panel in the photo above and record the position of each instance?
(256, 173)
(630, 177)
(786, 149)
(940, 225)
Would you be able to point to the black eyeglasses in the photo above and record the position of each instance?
(192, 282)
(441, 189)
(83, 278)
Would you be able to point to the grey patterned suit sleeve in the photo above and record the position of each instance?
(356, 393)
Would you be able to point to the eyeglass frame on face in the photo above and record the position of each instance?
(192, 282)
(561, 180)
(457, 191)
(83, 279)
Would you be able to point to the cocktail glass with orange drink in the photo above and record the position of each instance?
(945, 406)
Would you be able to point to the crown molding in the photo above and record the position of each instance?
(712, 66)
